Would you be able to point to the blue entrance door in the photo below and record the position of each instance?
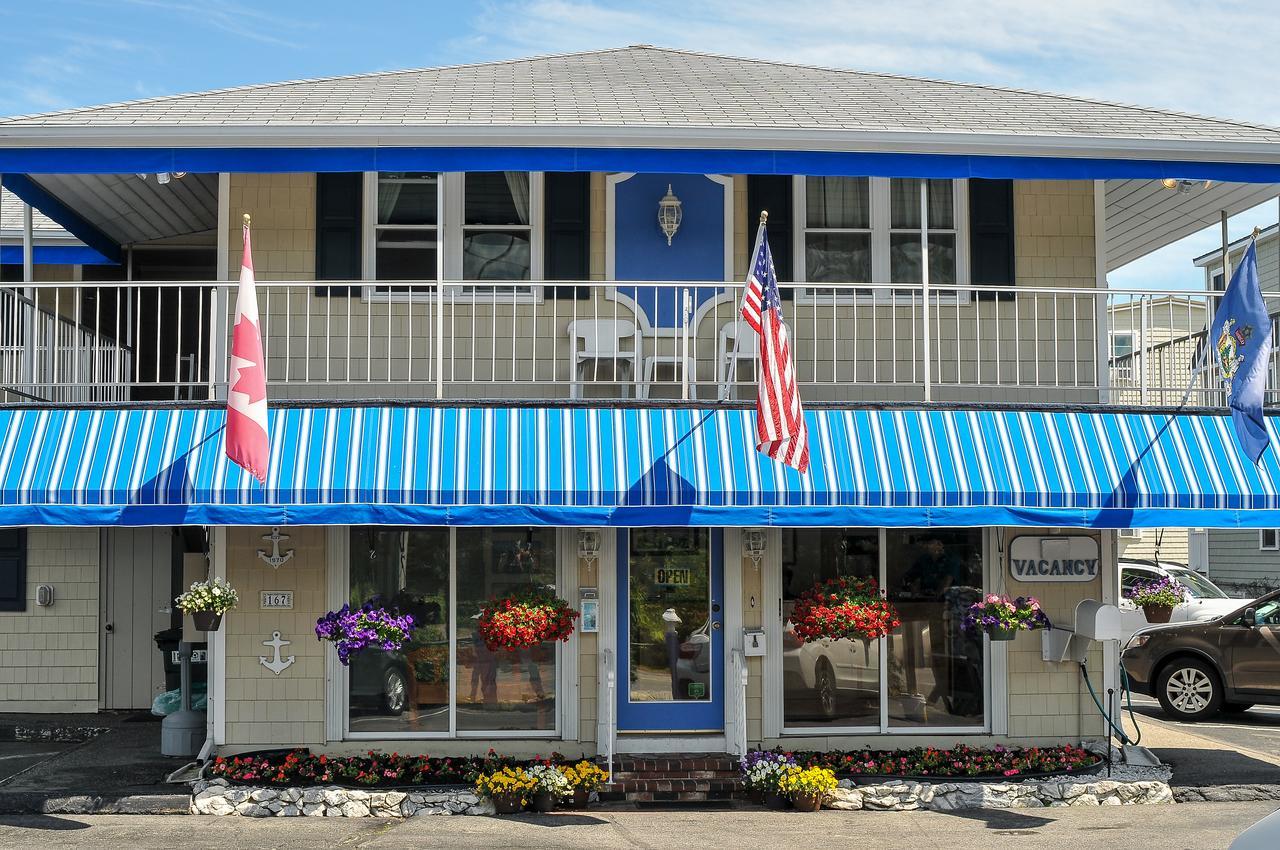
(670, 636)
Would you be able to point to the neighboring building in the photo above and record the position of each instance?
(489, 366)
(1246, 562)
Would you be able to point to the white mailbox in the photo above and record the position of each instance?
(1098, 620)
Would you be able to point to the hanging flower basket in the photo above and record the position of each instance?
(1157, 598)
(207, 601)
(843, 608)
(526, 618)
(1001, 618)
(354, 630)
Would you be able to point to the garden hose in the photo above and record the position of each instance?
(1126, 699)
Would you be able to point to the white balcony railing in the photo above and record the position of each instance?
(607, 340)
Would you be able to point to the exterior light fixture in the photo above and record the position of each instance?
(1183, 186)
(669, 214)
(753, 545)
(589, 545)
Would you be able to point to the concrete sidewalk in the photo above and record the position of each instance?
(1207, 826)
(116, 770)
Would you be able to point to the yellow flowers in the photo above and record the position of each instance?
(584, 775)
(507, 782)
(806, 780)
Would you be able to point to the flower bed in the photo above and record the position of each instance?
(300, 767)
(960, 761)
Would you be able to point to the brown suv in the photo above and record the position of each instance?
(1198, 669)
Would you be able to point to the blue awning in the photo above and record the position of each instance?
(45, 255)
(633, 467)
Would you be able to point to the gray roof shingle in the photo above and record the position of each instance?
(646, 87)
(11, 216)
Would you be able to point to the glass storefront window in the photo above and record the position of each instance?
(405, 691)
(828, 683)
(936, 670)
(503, 691)
(418, 571)
(670, 608)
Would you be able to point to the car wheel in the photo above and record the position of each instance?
(1236, 707)
(394, 692)
(1188, 689)
(825, 687)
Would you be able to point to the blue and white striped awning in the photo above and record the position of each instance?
(630, 467)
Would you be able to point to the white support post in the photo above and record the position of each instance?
(217, 312)
(32, 311)
(924, 289)
(1102, 316)
(440, 277)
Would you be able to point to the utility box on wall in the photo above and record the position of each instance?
(753, 642)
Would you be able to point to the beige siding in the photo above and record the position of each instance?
(283, 210)
(1238, 565)
(262, 708)
(1159, 544)
(49, 656)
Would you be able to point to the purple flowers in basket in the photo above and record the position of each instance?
(354, 630)
(1161, 591)
(1000, 613)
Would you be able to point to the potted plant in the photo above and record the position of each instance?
(760, 774)
(1001, 618)
(583, 778)
(807, 787)
(525, 618)
(207, 601)
(549, 785)
(843, 608)
(354, 630)
(508, 787)
(1157, 598)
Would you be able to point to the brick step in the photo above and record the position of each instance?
(675, 774)
(631, 785)
(671, 796)
(652, 764)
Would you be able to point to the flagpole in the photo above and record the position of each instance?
(730, 377)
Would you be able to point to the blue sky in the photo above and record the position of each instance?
(1164, 53)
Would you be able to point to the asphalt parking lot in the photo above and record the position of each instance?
(1236, 749)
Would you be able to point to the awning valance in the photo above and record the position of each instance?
(632, 466)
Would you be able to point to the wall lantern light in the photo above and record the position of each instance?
(669, 214)
(589, 545)
(753, 545)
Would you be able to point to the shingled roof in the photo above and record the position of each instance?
(644, 87)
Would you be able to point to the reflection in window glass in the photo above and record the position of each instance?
(935, 668)
(828, 683)
(837, 257)
(670, 613)
(904, 258)
(496, 255)
(502, 690)
(405, 691)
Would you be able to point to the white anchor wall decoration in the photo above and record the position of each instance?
(276, 664)
(276, 559)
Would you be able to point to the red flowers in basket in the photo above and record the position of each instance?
(843, 608)
(525, 618)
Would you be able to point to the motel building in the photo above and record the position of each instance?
(490, 365)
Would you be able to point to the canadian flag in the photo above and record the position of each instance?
(247, 442)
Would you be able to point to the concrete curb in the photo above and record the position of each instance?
(32, 802)
(1226, 793)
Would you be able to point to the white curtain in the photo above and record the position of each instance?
(518, 183)
(904, 202)
(388, 194)
(838, 202)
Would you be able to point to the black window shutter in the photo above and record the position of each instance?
(339, 240)
(13, 569)
(773, 193)
(991, 234)
(567, 225)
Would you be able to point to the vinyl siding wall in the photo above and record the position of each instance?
(1238, 566)
(49, 656)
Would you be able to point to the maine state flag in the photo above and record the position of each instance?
(1241, 339)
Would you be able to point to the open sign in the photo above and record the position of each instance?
(671, 576)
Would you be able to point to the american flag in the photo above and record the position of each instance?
(780, 429)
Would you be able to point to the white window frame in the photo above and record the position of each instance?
(881, 218)
(451, 230)
(1274, 546)
(338, 717)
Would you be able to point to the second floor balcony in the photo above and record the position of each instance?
(605, 341)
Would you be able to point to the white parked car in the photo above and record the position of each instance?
(1205, 600)
(1263, 835)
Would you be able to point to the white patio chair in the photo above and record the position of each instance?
(616, 341)
(728, 357)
